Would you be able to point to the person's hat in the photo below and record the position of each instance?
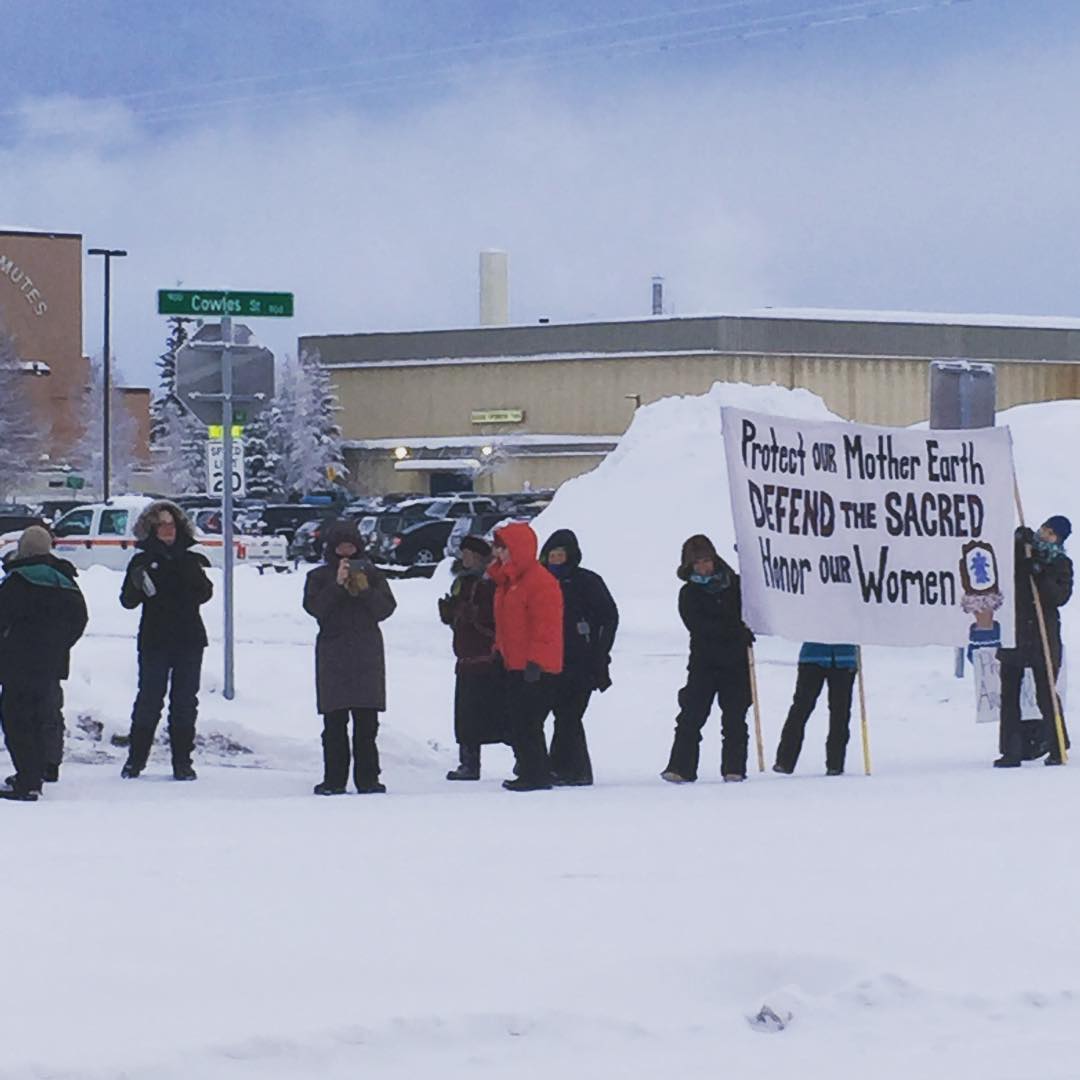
(697, 547)
(476, 544)
(1061, 525)
(36, 540)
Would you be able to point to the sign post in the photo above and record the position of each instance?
(217, 407)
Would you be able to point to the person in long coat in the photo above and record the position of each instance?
(469, 610)
(710, 604)
(349, 597)
(42, 615)
(1040, 558)
(529, 640)
(168, 581)
(590, 620)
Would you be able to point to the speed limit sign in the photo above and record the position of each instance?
(215, 467)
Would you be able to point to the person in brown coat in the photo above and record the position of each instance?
(469, 610)
(349, 597)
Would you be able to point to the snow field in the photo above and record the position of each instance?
(921, 922)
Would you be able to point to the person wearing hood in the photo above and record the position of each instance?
(168, 581)
(590, 620)
(1040, 559)
(710, 604)
(42, 616)
(469, 610)
(349, 597)
(529, 641)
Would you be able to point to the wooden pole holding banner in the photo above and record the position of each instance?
(864, 726)
(757, 709)
(1059, 723)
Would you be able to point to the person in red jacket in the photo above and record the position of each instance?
(529, 638)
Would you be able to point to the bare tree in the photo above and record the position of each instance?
(20, 441)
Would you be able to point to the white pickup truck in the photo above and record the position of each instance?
(100, 534)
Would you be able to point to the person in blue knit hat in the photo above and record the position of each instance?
(820, 664)
(1040, 564)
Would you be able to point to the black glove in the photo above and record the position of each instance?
(446, 609)
(1025, 535)
(602, 677)
(532, 672)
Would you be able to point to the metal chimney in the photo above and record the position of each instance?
(658, 295)
(494, 289)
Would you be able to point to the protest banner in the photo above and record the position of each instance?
(884, 536)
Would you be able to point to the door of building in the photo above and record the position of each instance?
(444, 483)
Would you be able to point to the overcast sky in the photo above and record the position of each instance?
(891, 154)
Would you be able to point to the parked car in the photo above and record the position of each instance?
(14, 517)
(422, 543)
(306, 544)
(101, 534)
(283, 519)
(479, 525)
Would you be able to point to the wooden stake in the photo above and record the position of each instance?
(1059, 723)
(757, 709)
(864, 725)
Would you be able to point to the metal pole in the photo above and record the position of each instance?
(227, 499)
(106, 373)
(106, 389)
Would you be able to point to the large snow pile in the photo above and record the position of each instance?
(668, 480)
(917, 923)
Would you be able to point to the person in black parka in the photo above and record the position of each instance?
(590, 621)
(469, 610)
(42, 616)
(349, 597)
(1040, 558)
(168, 581)
(710, 603)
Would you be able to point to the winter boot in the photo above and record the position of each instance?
(469, 769)
(130, 770)
(1007, 763)
(521, 784)
(182, 770)
(733, 778)
(51, 774)
(783, 770)
(372, 788)
(672, 777)
(20, 794)
(834, 772)
(327, 789)
(138, 752)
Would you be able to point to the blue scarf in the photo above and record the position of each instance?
(714, 583)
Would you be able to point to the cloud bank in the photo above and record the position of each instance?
(950, 189)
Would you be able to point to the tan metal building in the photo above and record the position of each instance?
(501, 408)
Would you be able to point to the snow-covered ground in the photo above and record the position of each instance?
(919, 922)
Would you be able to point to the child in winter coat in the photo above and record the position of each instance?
(590, 620)
(42, 615)
(529, 639)
(820, 664)
(469, 609)
(349, 597)
(710, 603)
(1039, 559)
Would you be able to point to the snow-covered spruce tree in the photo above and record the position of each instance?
(177, 438)
(20, 443)
(304, 437)
(123, 435)
(162, 411)
(260, 457)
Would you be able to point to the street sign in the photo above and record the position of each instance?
(215, 468)
(216, 303)
(198, 372)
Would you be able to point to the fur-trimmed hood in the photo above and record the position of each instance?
(144, 529)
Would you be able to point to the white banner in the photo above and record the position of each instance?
(871, 535)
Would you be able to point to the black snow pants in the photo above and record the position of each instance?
(29, 711)
(569, 753)
(808, 685)
(527, 706)
(365, 753)
(1017, 741)
(729, 684)
(178, 672)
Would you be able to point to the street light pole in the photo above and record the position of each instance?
(109, 254)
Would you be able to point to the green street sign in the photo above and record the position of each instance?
(209, 302)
